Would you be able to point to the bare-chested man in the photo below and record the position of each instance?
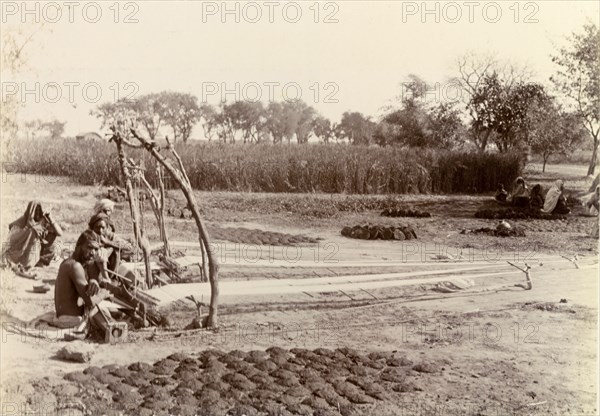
(72, 282)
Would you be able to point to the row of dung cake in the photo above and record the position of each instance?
(380, 232)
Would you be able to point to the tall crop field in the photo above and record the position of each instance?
(329, 168)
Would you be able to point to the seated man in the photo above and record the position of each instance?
(73, 283)
(32, 240)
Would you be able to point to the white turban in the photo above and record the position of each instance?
(102, 205)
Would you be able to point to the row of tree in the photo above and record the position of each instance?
(250, 122)
(179, 111)
(506, 112)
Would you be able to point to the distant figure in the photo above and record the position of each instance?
(536, 200)
(520, 194)
(501, 194)
(555, 201)
(591, 201)
(32, 240)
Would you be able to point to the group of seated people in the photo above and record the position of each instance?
(98, 251)
(554, 202)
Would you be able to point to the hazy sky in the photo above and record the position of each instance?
(355, 62)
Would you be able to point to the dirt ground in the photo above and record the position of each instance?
(487, 348)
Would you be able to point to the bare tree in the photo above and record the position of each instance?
(473, 70)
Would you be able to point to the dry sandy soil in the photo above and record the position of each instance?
(411, 348)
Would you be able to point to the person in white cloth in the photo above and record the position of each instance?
(555, 202)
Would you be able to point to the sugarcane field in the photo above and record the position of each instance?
(299, 208)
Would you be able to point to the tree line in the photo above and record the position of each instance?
(503, 110)
(245, 121)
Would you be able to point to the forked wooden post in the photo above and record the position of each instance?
(180, 176)
(574, 260)
(527, 272)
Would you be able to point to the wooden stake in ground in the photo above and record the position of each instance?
(158, 207)
(145, 247)
(161, 210)
(574, 260)
(180, 176)
(141, 242)
(529, 285)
